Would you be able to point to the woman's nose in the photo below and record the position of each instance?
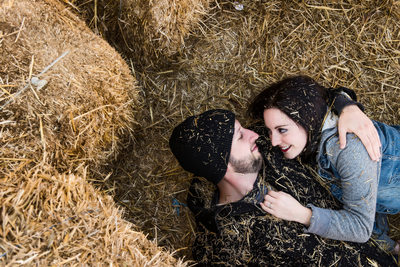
(275, 139)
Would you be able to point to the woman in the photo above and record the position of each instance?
(301, 124)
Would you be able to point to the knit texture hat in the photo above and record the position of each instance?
(202, 143)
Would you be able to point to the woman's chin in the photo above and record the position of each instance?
(289, 156)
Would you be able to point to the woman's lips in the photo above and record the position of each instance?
(285, 149)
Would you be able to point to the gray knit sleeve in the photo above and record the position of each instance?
(359, 182)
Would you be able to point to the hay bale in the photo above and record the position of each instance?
(148, 31)
(53, 219)
(74, 113)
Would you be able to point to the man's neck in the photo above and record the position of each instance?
(235, 187)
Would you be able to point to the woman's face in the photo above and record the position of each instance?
(285, 133)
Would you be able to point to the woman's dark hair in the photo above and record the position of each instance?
(302, 99)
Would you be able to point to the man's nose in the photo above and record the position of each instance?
(253, 136)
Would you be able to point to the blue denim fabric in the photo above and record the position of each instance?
(389, 181)
(380, 231)
(388, 195)
(388, 200)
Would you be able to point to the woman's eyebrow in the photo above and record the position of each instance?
(279, 126)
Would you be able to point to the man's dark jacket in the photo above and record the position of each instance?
(242, 234)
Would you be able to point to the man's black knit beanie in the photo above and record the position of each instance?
(202, 143)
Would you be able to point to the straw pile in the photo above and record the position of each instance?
(69, 114)
(234, 54)
(151, 30)
(55, 219)
(66, 106)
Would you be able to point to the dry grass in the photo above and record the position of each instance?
(67, 104)
(58, 219)
(149, 31)
(232, 57)
(225, 59)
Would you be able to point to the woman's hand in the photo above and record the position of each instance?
(353, 120)
(284, 206)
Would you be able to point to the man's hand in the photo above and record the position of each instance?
(284, 206)
(353, 120)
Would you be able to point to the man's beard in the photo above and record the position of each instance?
(249, 165)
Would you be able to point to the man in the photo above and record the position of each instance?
(232, 227)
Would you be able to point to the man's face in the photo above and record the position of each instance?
(245, 157)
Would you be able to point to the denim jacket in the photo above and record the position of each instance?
(354, 180)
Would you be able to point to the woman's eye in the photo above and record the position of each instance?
(282, 130)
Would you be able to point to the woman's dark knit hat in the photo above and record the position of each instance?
(202, 143)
